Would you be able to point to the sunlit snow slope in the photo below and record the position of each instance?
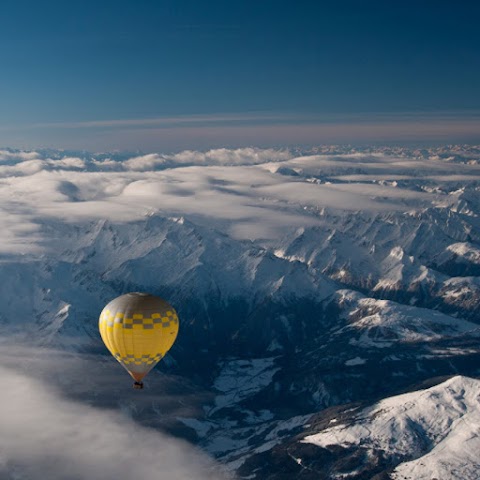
(433, 432)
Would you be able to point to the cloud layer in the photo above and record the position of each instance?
(44, 435)
(248, 193)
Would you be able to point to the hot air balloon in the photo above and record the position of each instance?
(138, 329)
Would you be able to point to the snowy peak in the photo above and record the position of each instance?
(428, 433)
(466, 252)
(373, 323)
(460, 258)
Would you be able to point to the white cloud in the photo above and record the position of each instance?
(224, 156)
(68, 162)
(43, 435)
(220, 156)
(144, 162)
(27, 167)
(248, 193)
(16, 156)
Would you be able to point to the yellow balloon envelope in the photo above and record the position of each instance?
(138, 329)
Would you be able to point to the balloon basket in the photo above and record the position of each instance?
(138, 385)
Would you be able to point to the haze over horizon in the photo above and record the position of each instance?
(168, 76)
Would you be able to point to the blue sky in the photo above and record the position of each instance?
(176, 74)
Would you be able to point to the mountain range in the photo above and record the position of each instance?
(328, 299)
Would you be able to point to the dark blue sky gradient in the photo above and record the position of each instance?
(71, 61)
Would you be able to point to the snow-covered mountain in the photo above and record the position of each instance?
(431, 433)
(304, 280)
(423, 434)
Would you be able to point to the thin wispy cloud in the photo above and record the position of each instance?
(173, 133)
(162, 121)
(264, 118)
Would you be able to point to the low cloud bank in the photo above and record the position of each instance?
(249, 193)
(45, 436)
(220, 156)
